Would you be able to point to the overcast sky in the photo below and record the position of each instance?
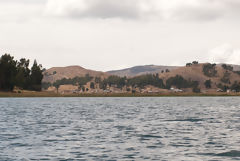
(114, 34)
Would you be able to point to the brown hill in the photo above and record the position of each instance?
(195, 73)
(57, 73)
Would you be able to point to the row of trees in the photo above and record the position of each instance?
(234, 87)
(138, 81)
(81, 81)
(17, 73)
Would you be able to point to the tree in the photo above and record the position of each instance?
(98, 80)
(209, 70)
(177, 81)
(188, 64)
(196, 90)
(92, 86)
(144, 80)
(36, 76)
(46, 85)
(195, 62)
(17, 73)
(8, 70)
(57, 84)
(223, 87)
(208, 83)
(227, 67)
(23, 74)
(236, 86)
(226, 78)
(83, 89)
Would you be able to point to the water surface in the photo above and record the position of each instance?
(194, 128)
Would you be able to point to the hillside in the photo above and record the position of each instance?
(195, 73)
(141, 70)
(57, 73)
(145, 79)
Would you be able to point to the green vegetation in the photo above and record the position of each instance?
(208, 83)
(92, 85)
(236, 86)
(114, 80)
(209, 70)
(46, 85)
(17, 73)
(237, 72)
(135, 82)
(144, 80)
(227, 67)
(179, 82)
(226, 78)
(196, 90)
(80, 81)
(193, 63)
(188, 64)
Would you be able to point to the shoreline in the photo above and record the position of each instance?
(50, 94)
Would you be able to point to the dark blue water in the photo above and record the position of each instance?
(120, 128)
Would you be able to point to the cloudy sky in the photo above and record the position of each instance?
(114, 34)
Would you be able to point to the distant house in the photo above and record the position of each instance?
(220, 90)
(176, 90)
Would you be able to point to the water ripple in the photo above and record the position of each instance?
(120, 128)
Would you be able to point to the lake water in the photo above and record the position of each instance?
(176, 128)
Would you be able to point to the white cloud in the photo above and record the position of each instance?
(225, 54)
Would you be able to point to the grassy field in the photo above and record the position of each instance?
(51, 94)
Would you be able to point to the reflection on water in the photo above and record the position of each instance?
(120, 128)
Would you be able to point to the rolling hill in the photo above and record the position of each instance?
(57, 73)
(141, 70)
(194, 72)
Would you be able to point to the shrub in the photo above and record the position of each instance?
(92, 85)
(195, 62)
(223, 87)
(227, 67)
(225, 78)
(208, 83)
(236, 86)
(210, 70)
(196, 90)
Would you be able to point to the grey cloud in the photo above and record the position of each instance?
(97, 8)
(197, 13)
(209, 10)
(127, 9)
(206, 10)
(109, 9)
(23, 1)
